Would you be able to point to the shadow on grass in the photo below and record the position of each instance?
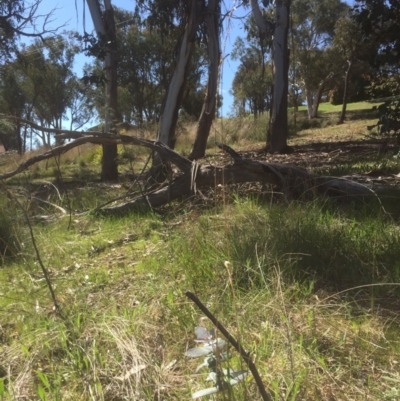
(320, 242)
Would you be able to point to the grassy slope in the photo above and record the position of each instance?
(286, 294)
(330, 108)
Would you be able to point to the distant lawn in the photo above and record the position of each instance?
(330, 108)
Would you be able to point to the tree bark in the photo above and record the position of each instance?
(279, 124)
(173, 99)
(313, 102)
(346, 89)
(278, 129)
(105, 27)
(209, 106)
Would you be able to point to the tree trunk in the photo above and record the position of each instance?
(18, 138)
(279, 125)
(105, 27)
(173, 99)
(313, 102)
(346, 88)
(209, 106)
(316, 102)
(309, 100)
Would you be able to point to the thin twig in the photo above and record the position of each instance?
(253, 369)
(57, 307)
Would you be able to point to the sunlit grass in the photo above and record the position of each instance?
(127, 323)
(327, 107)
(312, 291)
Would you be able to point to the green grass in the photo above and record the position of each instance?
(127, 323)
(311, 289)
(327, 107)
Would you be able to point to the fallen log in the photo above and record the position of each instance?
(294, 182)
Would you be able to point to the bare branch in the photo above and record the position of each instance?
(56, 131)
(98, 138)
(24, 22)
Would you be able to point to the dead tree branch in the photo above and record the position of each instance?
(295, 182)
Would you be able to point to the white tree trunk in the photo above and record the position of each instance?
(278, 124)
(309, 99)
(172, 102)
(100, 29)
(314, 99)
(265, 26)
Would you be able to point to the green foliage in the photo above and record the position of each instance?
(380, 21)
(146, 63)
(312, 34)
(252, 84)
(380, 24)
(389, 117)
(40, 85)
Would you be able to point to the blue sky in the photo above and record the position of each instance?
(65, 13)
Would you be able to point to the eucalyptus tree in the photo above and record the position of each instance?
(252, 88)
(146, 65)
(313, 31)
(349, 43)
(22, 82)
(188, 17)
(104, 24)
(277, 28)
(212, 22)
(40, 85)
(12, 102)
(252, 84)
(56, 79)
(143, 69)
(190, 14)
(380, 23)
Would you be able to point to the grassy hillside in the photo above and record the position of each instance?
(311, 288)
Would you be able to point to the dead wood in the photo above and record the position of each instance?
(293, 181)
